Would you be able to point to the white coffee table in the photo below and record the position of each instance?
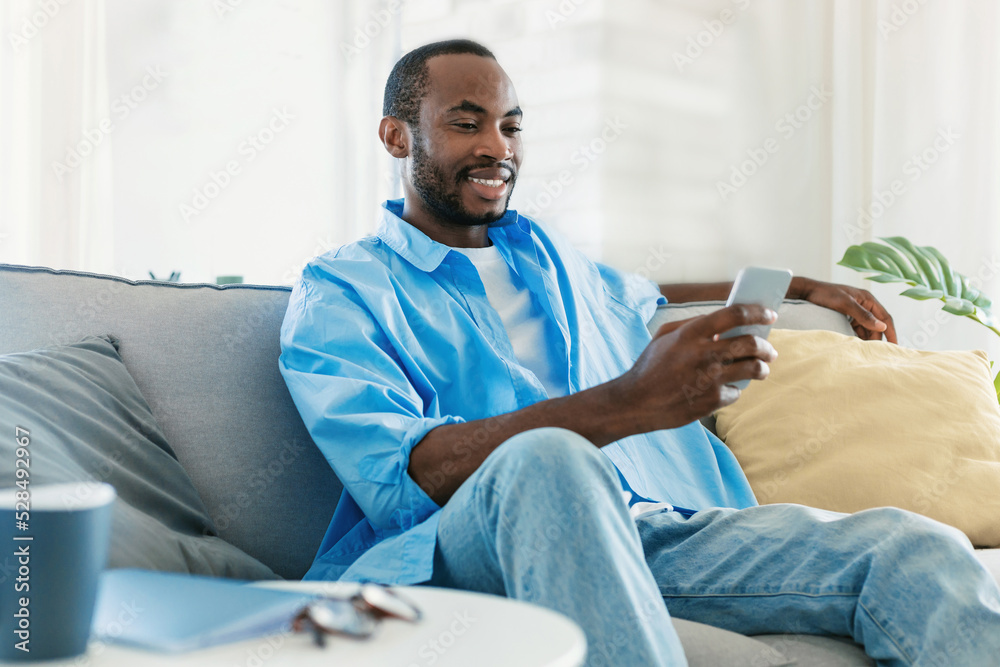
(458, 629)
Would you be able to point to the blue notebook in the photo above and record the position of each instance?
(170, 612)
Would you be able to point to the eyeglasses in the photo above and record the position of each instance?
(356, 616)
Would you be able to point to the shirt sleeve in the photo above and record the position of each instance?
(632, 290)
(355, 399)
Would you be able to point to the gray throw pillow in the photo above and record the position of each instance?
(88, 421)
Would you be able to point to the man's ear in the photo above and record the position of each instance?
(395, 136)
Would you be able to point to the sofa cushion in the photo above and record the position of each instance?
(708, 646)
(86, 420)
(845, 424)
(816, 651)
(205, 357)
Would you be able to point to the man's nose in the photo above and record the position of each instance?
(494, 143)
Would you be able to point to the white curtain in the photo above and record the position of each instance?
(884, 120)
(369, 47)
(55, 172)
(209, 138)
(916, 149)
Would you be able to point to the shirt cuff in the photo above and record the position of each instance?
(391, 469)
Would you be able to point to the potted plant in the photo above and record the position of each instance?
(929, 275)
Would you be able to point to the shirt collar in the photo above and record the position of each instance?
(424, 252)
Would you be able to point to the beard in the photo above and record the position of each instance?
(443, 197)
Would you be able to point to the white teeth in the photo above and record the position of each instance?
(487, 182)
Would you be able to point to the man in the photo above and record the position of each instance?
(503, 422)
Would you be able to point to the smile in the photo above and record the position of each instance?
(492, 183)
(490, 189)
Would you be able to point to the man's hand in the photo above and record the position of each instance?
(684, 372)
(869, 319)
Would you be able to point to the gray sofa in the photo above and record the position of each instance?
(205, 359)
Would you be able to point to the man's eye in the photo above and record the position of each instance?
(466, 126)
(513, 129)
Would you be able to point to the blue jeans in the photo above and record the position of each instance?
(543, 520)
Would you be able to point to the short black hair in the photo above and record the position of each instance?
(407, 83)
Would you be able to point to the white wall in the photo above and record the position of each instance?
(250, 88)
(209, 138)
(831, 97)
(642, 142)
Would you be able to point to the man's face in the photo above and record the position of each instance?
(466, 147)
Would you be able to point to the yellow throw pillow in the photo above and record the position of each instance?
(845, 425)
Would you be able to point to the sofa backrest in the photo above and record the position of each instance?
(206, 359)
(793, 314)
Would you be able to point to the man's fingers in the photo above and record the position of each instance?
(729, 350)
(670, 327)
(864, 317)
(746, 369)
(729, 317)
(727, 395)
(883, 315)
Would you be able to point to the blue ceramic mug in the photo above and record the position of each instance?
(53, 546)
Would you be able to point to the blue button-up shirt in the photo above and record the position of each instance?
(391, 336)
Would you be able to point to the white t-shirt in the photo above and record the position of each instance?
(525, 323)
(522, 317)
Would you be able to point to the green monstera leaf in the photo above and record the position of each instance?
(928, 273)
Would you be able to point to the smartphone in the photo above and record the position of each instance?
(766, 287)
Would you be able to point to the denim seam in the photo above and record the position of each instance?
(881, 627)
(903, 652)
(740, 595)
